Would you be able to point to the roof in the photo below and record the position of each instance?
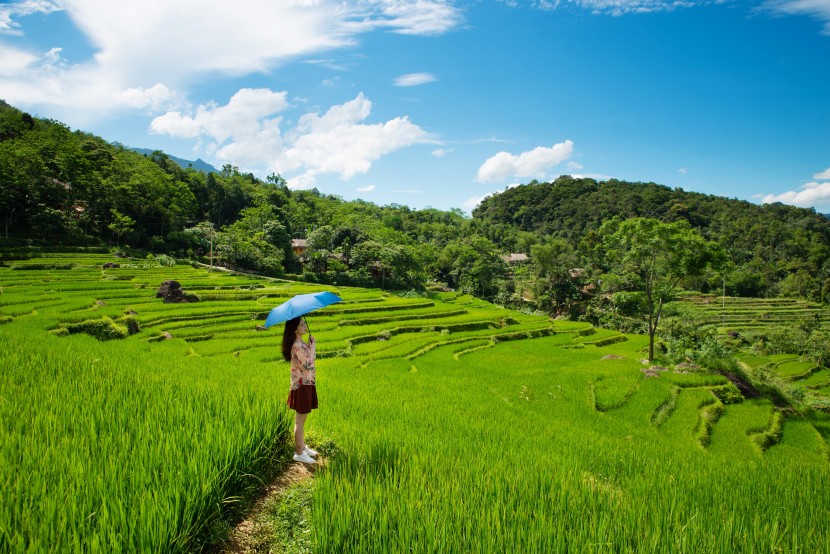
(512, 258)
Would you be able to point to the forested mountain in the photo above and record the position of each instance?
(771, 248)
(63, 186)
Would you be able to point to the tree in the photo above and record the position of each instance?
(473, 265)
(556, 288)
(120, 225)
(653, 257)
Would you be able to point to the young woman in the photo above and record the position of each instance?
(303, 396)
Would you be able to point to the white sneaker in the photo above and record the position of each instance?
(304, 458)
(310, 452)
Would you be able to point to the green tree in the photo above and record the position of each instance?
(120, 225)
(558, 279)
(653, 257)
(473, 265)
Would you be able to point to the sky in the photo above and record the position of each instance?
(440, 103)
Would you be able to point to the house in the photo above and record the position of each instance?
(299, 246)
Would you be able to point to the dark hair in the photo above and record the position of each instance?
(289, 336)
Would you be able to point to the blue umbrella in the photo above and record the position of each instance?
(300, 305)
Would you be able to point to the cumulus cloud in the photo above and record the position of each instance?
(414, 79)
(441, 152)
(368, 188)
(247, 131)
(244, 131)
(154, 97)
(132, 44)
(574, 166)
(533, 163)
(817, 9)
(338, 142)
(809, 195)
(822, 174)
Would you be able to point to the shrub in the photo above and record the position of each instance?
(728, 394)
(715, 355)
(165, 261)
(102, 329)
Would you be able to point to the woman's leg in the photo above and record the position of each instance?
(299, 433)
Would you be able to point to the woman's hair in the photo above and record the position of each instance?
(289, 336)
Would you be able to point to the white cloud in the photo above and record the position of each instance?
(133, 53)
(418, 17)
(414, 79)
(817, 9)
(368, 188)
(533, 163)
(574, 166)
(810, 195)
(337, 142)
(23, 8)
(822, 174)
(683, 171)
(13, 61)
(246, 131)
(441, 152)
(154, 97)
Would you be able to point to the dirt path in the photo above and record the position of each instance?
(251, 534)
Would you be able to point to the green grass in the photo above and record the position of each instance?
(466, 428)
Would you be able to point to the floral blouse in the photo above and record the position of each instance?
(303, 371)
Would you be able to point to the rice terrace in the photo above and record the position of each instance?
(451, 424)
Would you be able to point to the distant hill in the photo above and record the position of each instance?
(775, 249)
(198, 165)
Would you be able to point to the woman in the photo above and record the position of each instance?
(303, 396)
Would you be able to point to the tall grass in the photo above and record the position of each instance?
(503, 450)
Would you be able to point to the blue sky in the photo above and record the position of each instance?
(439, 103)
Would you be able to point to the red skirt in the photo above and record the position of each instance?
(303, 399)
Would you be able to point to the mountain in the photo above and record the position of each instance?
(198, 165)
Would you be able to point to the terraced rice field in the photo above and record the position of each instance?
(743, 314)
(449, 425)
(757, 314)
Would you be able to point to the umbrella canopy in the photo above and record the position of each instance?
(300, 305)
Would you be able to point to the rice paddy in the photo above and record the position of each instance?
(449, 424)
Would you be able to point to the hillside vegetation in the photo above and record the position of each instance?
(448, 423)
(772, 249)
(71, 187)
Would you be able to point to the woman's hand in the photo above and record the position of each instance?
(310, 339)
